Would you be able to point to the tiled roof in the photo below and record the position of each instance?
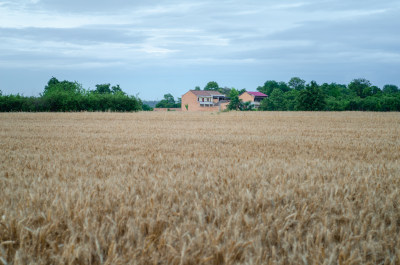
(257, 94)
(206, 93)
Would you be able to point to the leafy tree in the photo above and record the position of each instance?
(297, 83)
(290, 98)
(212, 85)
(390, 89)
(64, 86)
(168, 102)
(235, 103)
(334, 90)
(264, 104)
(103, 89)
(146, 107)
(51, 83)
(197, 88)
(241, 91)
(361, 87)
(169, 98)
(268, 87)
(283, 86)
(224, 90)
(390, 102)
(276, 101)
(375, 90)
(70, 96)
(116, 89)
(370, 104)
(311, 98)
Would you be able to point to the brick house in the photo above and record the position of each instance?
(254, 97)
(204, 100)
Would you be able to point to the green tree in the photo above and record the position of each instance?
(390, 89)
(283, 87)
(371, 103)
(224, 90)
(375, 90)
(212, 85)
(169, 98)
(235, 103)
(361, 87)
(264, 104)
(297, 83)
(116, 89)
(241, 91)
(333, 89)
(146, 107)
(311, 98)
(290, 98)
(390, 102)
(276, 101)
(197, 88)
(66, 86)
(51, 83)
(103, 89)
(168, 102)
(70, 96)
(268, 87)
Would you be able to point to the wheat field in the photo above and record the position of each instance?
(200, 188)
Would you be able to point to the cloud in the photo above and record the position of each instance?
(254, 36)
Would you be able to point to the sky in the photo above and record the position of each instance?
(155, 47)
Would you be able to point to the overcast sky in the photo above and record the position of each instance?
(155, 47)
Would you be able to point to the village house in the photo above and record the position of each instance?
(254, 97)
(204, 100)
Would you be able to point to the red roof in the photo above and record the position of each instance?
(257, 94)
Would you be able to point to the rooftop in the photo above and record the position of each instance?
(208, 93)
(257, 94)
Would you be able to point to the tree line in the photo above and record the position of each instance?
(71, 96)
(296, 94)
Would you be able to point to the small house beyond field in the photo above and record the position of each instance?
(254, 97)
(203, 100)
(210, 100)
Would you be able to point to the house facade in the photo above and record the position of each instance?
(203, 100)
(254, 97)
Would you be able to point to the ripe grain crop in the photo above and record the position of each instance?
(200, 188)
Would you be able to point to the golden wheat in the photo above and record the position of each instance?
(200, 188)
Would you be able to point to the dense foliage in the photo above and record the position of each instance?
(169, 102)
(70, 96)
(294, 95)
(360, 94)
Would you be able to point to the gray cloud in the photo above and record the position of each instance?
(254, 40)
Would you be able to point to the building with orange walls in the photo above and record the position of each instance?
(254, 97)
(204, 100)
